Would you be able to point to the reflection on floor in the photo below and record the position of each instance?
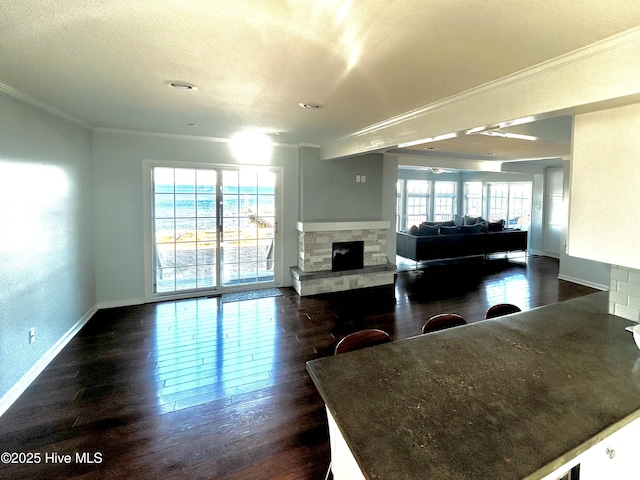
(203, 389)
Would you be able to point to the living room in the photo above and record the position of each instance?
(75, 193)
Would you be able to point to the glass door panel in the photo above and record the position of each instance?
(248, 219)
(184, 229)
(212, 228)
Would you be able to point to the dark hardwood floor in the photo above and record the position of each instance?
(204, 389)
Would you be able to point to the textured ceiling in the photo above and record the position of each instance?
(108, 63)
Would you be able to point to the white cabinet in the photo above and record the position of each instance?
(614, 457)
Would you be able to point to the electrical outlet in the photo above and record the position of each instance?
(363, 178)
(32, 335)
(357, 178)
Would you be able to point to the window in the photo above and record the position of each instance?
(498, 201)
(473, 199)
(417, 201)
(510, 202)
(444, 201)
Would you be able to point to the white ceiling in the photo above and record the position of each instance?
(107, 63)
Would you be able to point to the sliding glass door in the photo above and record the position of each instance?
(212, 228)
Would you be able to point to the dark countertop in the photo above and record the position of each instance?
(513, 397)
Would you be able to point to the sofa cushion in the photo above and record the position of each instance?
(477, 228)
(496, 226)
(445, 230)
(448, 223)
(427, 230)
(471, 220)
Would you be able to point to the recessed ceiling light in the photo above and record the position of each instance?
(182, 86)
(431, 149)
(310, 106)
(194, 125)
(489, 154)
(516, 136)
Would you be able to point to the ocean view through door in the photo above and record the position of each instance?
(212, 228)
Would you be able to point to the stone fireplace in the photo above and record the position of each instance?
(317, 246)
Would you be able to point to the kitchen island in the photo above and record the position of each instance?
(508, 398)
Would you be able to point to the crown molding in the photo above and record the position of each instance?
(182, 136)
(42, 105)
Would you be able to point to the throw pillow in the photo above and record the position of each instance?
(471, 228)
(428, 230)
(453, 230)
(413, 230)
(496, 226)
(458, 220)
(470, 220)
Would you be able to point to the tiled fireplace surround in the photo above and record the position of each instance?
(313, 273)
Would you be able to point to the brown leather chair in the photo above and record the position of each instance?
(443, 321)
(362, 339)
(501, 309)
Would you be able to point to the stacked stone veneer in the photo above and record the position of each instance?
(315, 248)
(313, 274)
(624, 293)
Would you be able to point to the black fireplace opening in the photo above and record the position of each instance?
(347, 256)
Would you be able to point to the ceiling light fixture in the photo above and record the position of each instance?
(446, 136)
(431, 149)
(194, 125)
(182, 86)
(516, 136)
(489, 154)
(471, 131)
(310, 106)
(517, 121)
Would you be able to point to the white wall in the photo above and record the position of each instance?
(46, 239)
(574, 269)
(118, 214)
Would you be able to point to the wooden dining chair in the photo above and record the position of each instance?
(361, 339)
(442, 321)
(501, 309)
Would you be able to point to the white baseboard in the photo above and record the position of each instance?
(121, 303)
(580, 281)
(18, 389)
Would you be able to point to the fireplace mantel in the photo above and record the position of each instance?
(338, 226)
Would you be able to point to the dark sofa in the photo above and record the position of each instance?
(425, 244)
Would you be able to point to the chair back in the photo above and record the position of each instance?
(501, 309)
(362, 339)
(443, 321)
